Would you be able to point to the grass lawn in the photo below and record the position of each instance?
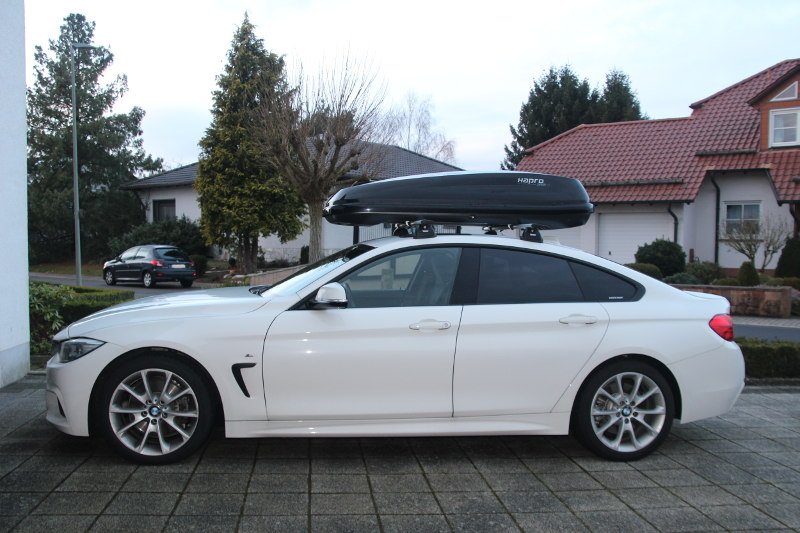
(67, 268)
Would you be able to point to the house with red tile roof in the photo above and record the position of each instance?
(736, 158)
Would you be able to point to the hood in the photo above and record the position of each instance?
(213, 302)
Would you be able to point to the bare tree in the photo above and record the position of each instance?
(412, 126)
(749, 237)
(321, 129)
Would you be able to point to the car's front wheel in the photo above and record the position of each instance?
(147, 280)
(624, 411)
(155, 410)
(109, 278)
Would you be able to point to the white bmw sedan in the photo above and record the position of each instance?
(451, 335)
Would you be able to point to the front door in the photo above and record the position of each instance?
(389, 354)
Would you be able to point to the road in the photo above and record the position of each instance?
(95, 281)
(767, 332)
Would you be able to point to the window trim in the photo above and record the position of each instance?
(785, 110)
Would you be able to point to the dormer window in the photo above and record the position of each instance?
(789, 93)
(783, 127)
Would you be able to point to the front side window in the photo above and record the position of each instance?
(741, 218)
(423, 277)
(784, 127)
(518, 277)
(163, 210)
(129, 254)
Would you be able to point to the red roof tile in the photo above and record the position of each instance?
(667, 160)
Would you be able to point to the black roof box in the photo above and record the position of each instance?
(464, 198)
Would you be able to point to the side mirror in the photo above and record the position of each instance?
(330, 295)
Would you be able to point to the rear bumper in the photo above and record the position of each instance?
(710, 383)
(174, 274)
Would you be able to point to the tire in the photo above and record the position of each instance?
(612, 423)
(147, 279)
(186, 283)
(154, 428)
(109, 277)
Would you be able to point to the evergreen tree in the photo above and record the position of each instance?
(240, 196)
(559, 101)
(109, 149)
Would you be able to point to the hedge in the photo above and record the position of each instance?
(770, 359)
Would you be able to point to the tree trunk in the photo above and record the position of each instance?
(315, 252)
(250, 257)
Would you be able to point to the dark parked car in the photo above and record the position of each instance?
(150, 264)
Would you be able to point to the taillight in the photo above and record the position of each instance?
(722, 326)
(156, 263)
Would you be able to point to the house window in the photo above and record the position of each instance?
(742, 218)
(789, 93)
(783, 127)
(163, 210)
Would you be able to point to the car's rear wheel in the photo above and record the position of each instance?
(148, 280)
(186, 283)
(109, 278)
(624, 411)
(155, 410)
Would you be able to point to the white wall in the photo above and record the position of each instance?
(14, 328)
(185, 201)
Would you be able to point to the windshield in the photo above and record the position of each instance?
(313, 272)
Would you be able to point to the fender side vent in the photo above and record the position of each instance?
(237, 375)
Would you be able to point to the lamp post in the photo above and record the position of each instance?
(75, 195)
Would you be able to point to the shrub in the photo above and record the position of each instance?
(748, 276)
(668, 256)
(682, 278)
(789, 261)
(770, 359)
(200, 264)
(733, 282)
(86, 300)
(304, 255)
(646, 268)
(183, 233)
(705, 271)
(46, 301)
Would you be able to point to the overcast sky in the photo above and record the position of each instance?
(475, 60)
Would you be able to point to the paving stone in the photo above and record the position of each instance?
(591, 500)
(141, 503)
(210, 504)
(549, 522)
(460, 503)
(570, 481)
(80, 503)
(150, 481)
(419, 523)
(481, 523)
(276, 504)
(740, 517)
(338, 465)
(552, 465)
(218, 483)
(446, 465)
(283, 448)
(747, 460)
(339, 483)
(111, 464)
(399, 483)
(705, 495)
(395, 464)
(406, 503)
(531, 502)
(728, 474)
(513, 482)
(31, 481)
(124, 524)
(623, 479)
(329, 504)
(649, 498)
(91, 481)
(787, 513)
(680, 477)
(344, 523)
(762, 493)
(282, 466)
(500, 465)
(19, 503)
(457, 482)
(50, 463)
(335, 448)
(273, 524)
(201, 523)
(614, 521)
(224, 465)
(681, 519)
(60, 523)
(777, 474)
(278, 483)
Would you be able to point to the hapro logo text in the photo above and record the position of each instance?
(531, 181)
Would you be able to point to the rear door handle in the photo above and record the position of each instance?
(578, 319)
(429, 324)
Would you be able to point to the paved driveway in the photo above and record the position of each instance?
(740, 471)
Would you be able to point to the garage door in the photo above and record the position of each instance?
(621, 234)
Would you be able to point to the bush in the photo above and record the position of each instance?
(183, 233)
(732, 282)
(682, 278)
(668, 256)
(789, 261)
(705, 271)
(85, 300)
(200, 264)
(770, 359)
(646, 268)
(304, 255)
(748, 276)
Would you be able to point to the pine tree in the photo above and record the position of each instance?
(241, 197)
(560, 101)
(109, 149)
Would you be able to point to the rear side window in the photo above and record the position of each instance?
(171, 253)
(601, 286)
(516, 277)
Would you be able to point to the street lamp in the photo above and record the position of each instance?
(75, 196)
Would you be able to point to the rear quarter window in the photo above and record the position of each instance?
(601, 286)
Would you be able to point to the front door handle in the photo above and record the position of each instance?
(429, 324)
(578, 319)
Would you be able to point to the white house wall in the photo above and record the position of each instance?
(14, 327)
(185, 201)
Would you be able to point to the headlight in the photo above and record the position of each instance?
(72, 349)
